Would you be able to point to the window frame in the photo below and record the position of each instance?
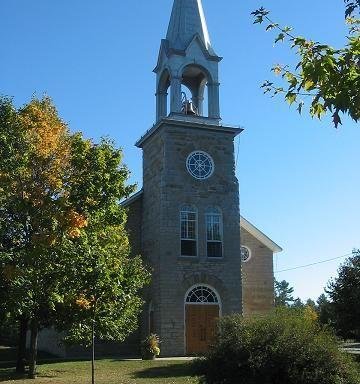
(249, 251)
(189, 208)
(214, 211)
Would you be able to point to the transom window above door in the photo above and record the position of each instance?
(202, 294)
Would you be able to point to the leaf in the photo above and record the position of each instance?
(300, 107)
(277, 69)
(271, 26)
(291, 97)
(317, 109)
(280, 37)
(309, 85)
(336, 119)
(292, 80)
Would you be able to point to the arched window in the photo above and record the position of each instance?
(202, 295)
(214, 239)
(188, 229)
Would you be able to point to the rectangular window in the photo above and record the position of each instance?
(188, 232)
(214, 235)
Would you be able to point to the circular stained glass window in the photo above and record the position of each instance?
(200, 165)
(245, 254)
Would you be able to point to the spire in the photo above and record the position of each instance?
(187, 20)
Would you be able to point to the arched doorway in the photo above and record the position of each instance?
(202, 309)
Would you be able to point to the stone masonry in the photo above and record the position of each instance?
(167, 186)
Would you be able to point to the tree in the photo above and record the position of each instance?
(283, 293)
(329, 77)
(325, 310)
(56, 189)
(33, 157)
(344, 294)
(101, 298)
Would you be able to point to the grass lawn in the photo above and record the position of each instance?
(108, 372)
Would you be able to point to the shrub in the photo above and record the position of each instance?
(285, 347)
(150, 346)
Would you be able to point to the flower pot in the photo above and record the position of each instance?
(148, 356)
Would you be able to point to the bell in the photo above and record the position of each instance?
(188, 108)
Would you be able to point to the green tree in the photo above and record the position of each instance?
(100, 298)
(325, 310)
(56, 189)
(344, 294)
(329, 77)
(33, 157)
(283, 293)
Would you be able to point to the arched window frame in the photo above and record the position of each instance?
(214, 233)
(188, 231)
(209, 289)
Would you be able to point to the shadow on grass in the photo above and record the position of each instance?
(168, 371)
(7, 353)
(10, 374)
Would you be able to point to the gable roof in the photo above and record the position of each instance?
(259, 235)
(265, 240)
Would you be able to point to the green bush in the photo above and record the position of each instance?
(286, 347)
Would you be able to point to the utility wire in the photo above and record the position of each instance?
(318, 262)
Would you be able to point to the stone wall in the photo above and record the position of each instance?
(167, 186)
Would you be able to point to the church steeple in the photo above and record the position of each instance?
(187, 59)
(187, 20)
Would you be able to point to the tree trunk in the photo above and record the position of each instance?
(34, 326)
(21, 353)
(93, 352)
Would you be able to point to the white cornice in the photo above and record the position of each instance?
(259, 235)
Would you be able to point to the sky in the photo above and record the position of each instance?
(299, 177)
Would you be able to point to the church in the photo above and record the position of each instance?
(207, 260)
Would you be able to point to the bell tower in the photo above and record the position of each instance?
(187, 58)
(190, 230)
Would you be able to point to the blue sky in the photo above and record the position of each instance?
(299, 177)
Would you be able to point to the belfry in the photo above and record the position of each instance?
(187, 58)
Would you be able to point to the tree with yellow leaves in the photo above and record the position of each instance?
(59, 195)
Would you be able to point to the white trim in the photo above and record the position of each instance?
(219, 304)
(205, 154)
(259, 235)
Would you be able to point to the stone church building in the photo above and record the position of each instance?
(207, 261)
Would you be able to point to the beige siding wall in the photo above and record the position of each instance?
(258, 277)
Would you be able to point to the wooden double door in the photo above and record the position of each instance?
(200, 327)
